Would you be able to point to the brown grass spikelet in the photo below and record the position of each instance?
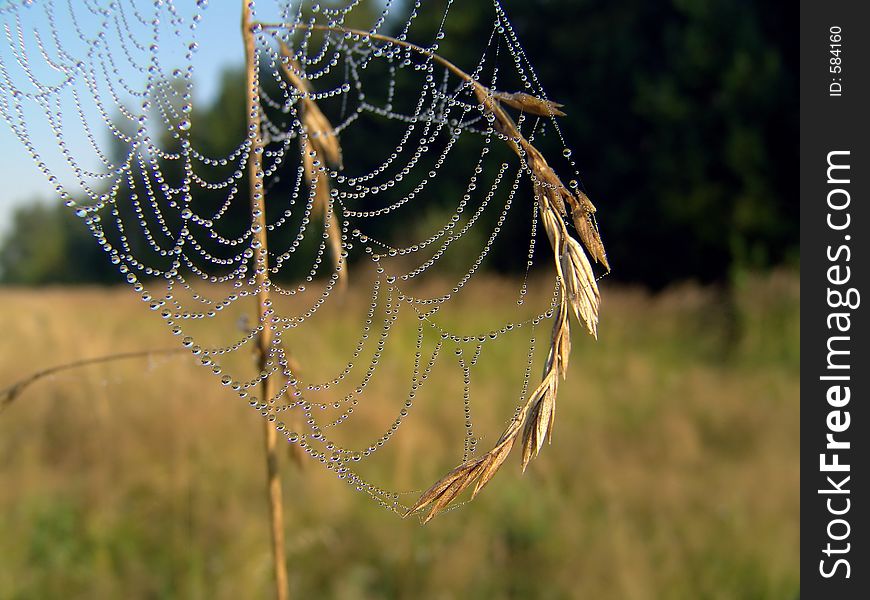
(583, 214)
(542, 403)
(495, 458)
(560, 346)
(580, 286)
(530, 104)
(478, 471)
(540, 419)
(318, 144)
(323, 202)
(447, 488)
(317, 126)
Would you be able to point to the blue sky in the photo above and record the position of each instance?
(220, 46)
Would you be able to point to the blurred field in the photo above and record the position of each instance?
(673, 472)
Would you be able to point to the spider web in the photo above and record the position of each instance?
(111, 83)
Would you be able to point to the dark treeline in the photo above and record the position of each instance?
(682, 116)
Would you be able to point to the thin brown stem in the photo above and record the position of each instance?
(276, 511)
(374, 36)
(10, 393)
(507, 127)
(258, 214)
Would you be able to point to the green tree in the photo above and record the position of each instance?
(48, 244)
(682, 117)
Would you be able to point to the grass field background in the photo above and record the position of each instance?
(673, 472)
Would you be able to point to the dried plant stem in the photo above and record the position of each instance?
(373, 36)
(578, 290)
(546, 182)
(276, 511)
(319, 147)
(9, 394)
(258, 214)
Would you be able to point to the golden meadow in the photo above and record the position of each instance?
(673, 471)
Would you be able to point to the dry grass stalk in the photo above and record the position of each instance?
(264, 340)
(9, 394)
(547, 184)
(294, 420)
(579, 290)
(578, 287)
(319, 144)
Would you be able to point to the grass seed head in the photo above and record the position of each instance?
(579, 291)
